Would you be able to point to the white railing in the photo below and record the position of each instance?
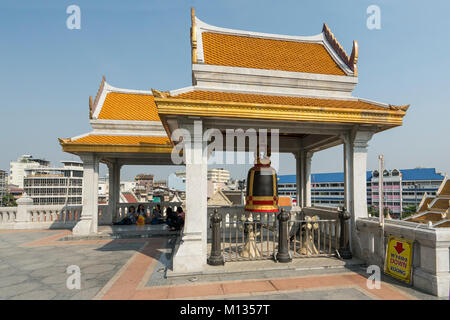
(36, 216)
(55, 213)
(7, 215)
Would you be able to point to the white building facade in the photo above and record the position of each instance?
(51, 186)
(18, 167)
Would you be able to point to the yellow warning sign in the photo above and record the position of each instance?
(399, 258)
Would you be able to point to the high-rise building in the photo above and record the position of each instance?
(402, 187)
(3, 185)
(51, 186)
(17, 168)
(219, 175)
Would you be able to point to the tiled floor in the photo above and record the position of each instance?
(33, 265)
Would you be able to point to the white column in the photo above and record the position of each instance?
(192, 253)
(113, 193)
(348, 199)
(298, 178)
(358, 184)
(116, 191)
(88, 223)
(347, 171)
(307, 177)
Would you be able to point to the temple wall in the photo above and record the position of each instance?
(431, 251)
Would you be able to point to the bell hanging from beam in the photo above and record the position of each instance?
(262, 186)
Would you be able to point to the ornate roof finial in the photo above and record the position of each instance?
(354, 58)
(160, 94)
(349, 61)
(90, 107)
(93, 106)
(193, 36)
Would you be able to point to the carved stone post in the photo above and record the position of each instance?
(216, 257)
(344, 247)
(283, 240)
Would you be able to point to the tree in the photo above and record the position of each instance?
(373, 212)
(8, 200)
(409, 211)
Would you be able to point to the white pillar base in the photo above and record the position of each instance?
(190, 256)
(84, 228)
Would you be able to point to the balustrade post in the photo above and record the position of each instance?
(344, 246)
(283, 241)
(216, 257)
(24, 204)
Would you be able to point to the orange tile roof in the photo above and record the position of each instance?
(251, 52)
(278, 100)
(127, 106)
(121, 140)
(129, 197)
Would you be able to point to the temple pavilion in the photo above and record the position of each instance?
(300, 85)
(434, 210)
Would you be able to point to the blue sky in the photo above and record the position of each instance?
(47, 71)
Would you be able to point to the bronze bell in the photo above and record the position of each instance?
(262, 187)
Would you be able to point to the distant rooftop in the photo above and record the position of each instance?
(407, 174)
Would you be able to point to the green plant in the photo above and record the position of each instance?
(8, 200)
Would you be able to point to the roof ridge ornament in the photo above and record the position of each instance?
(90, 108)
(160, 94)
(399, 108)
(93, 106)
(349, 61)
(193, 36)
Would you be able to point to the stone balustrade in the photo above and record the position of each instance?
(431, 249)
(29, 216)
(39, 217)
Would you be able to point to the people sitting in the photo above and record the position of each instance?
(157, 217)
(131, 217)
(141, 212)
(175, 220)
(182, 215)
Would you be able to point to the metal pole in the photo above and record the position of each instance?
(381, 212)
(381, 192)
(283, 241)
(216, 258)
(344, 248)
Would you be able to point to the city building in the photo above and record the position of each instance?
(17, 168)
(219, 175)
(160, 183)
(103, 186)
(217, 179)
(402, 187)
(126, 186)
(3, 185)
(215, 175)
(15, 191)
(144, 187)
(50, 186)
